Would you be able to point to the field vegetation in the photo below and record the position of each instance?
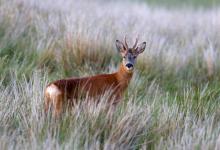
(173, 101)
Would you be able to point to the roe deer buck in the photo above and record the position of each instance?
(64, 91)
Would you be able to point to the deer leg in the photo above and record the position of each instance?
(58, 104)
(54, 97)
(117, 99)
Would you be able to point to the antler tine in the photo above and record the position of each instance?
(126, 45)
(135, 44)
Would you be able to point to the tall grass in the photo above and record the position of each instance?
(171, 103)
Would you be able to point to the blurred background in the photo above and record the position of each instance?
(185, 3)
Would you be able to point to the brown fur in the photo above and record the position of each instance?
(65, 91)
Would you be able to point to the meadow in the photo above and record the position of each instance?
(173, 100)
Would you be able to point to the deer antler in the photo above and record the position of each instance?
(135, 44)
(126, 45)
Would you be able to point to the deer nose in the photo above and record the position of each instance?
(129, 65)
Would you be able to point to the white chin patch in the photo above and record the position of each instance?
(130, 69)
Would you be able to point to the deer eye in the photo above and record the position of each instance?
(134, 56)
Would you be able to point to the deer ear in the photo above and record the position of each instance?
(140, 48)
(120, 46)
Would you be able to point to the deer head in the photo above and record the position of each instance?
(129, 55)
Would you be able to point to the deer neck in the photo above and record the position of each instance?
(124, 76)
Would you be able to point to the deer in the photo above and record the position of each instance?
(63, 91)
